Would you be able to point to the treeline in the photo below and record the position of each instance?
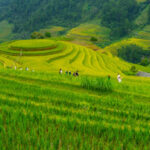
(31, 15)
(135, 54)
(119, 16)
(149, 15)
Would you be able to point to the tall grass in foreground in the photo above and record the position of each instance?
(97, 84)
(53, 112)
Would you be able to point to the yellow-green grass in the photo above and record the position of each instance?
(54, 30)
(65, 55)
(87, 30)
(142, 19)
(52, 111)
(31, 47)
(29, 44)
(90, 30)
(5, 31)
(143, 34)
(140, 37)
(144, 43)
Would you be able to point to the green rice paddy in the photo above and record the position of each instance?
(41, 109)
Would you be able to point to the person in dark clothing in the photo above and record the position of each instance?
(77, 74)
(74, 74)
(66, 72)
(69, 72)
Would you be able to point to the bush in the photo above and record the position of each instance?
(47, 34)
(131, 72)
(37, 35)
(93, 39)
(33, 35)
(97, 84)
(145, 62)
(133, 69)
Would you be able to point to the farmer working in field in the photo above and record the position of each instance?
(77, 74)
(109, 77)
(60, 71)
(69, 72)
(119, 78)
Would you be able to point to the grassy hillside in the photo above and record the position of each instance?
(5, 31)
(142, 19)
(28, 17)
(51, 111)
(144, 43)
(42, 109)
(143, 34)
(140, 36)
(54, 30)
(50, 56)
(83, 33)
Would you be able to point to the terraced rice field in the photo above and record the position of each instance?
(31, 48)
(45, 110)
(85, 31)
(144, 34)
(50, 56)
(49, 111)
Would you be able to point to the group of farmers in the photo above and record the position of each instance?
(76, 74)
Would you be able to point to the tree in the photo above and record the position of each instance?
(149, 15)
(133, 69)
(119, 15)
(93, 39)
(145, 61)
(37, 35)
(40, 36)
(47, 34)
(132, 53)
(34, 35)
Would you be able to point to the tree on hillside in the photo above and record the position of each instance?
(119, 15)
(33, 35)
(133, 69)
(149, 15)
(132, 53)
(145, 61)
(93, 39)
(32, 15)
(47, 34)
(37, 35)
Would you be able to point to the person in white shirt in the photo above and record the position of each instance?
(60, 71)
(119, 78)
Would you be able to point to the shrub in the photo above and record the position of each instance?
(37, 35)
(47, 34)
(33, 35)
(145, 62)
(96, 84)
(131, 72)
(93, 39)
(133, 69)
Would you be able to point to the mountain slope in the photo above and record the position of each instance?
(32, 15)
(50, 56)
(29, 16)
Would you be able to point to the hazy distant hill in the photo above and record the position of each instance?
(30, 15)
